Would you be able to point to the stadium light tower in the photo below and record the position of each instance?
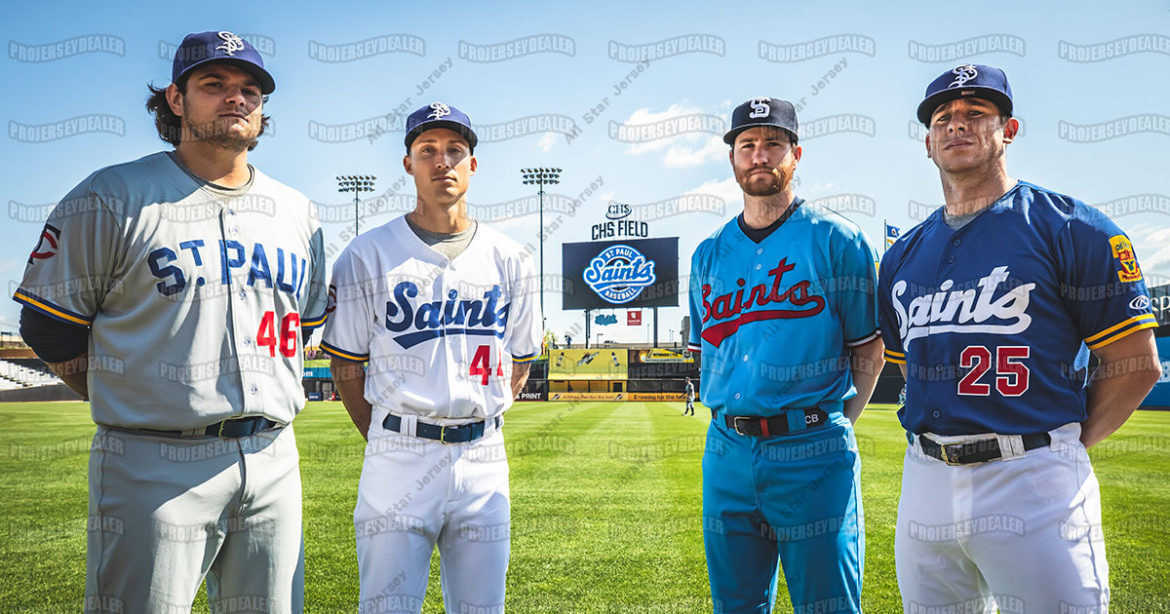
(356, 184)
(541, 177)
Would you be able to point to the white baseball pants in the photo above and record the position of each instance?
(1023, 535)
(415, 493)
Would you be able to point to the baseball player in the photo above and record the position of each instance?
(990, 307)
(173, 292)
(690, 392)
(445, 311)
(783, 310)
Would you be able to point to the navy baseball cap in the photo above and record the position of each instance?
(762, 112)
(967, 80)
(439, 115)
(202, 47)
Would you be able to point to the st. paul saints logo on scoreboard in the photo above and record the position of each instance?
(619, 274)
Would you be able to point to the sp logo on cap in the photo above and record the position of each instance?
(963, 74)
(760, 108)
(231, 43)
(439, 111)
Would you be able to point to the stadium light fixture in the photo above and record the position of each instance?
(356, 184)
(540, 177)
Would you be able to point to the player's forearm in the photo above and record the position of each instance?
(1129, 369)
(520, 371)
(73, 372)
(350, 379)
(866, 361)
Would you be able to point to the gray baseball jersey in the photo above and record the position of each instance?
(440, 334)
(196, 295)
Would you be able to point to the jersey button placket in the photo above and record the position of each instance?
(238, 311)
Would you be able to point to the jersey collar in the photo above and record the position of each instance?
(758, 235)
(407, 237)
(1003, 202)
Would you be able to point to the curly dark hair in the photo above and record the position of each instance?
(169, 125)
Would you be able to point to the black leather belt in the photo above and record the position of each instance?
(459, 433)
(757, 426)
(228, 429)
(979, 451)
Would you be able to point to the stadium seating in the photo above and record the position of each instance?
(16, 375)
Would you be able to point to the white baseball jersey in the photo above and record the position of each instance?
(196, 296)
(440, 335)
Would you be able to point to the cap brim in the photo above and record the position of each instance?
(267, 83)
(729, 138)
(467, 133)
(927, 107)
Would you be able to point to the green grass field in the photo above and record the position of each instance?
(593, 530)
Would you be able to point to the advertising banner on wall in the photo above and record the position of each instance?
(602, 364)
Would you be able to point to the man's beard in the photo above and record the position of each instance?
(218, 134)
(752, 187)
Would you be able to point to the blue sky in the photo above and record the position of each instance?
(867, 78)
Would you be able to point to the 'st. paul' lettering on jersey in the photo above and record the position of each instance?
(196, 296)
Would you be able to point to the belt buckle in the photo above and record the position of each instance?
(942, 447)
(735, 424)
(219, 431)
(443, 433)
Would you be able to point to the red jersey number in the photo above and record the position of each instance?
(1011, 374)
(266, 334)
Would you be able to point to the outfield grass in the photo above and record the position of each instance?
(605, 508)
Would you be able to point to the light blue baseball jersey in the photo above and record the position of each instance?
(994, 321)
(774, 319)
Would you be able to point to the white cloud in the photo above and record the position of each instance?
(680, 151)
(683, 157)
(1152, 244)
(546, 142)
(727, 189)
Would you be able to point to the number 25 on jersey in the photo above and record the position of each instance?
(1011, 374)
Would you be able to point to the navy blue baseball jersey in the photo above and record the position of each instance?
(994, 321)
(774, 319)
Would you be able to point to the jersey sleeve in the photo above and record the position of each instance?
(1102, 281)
(853, 289)
(72, 267)
(316, 301)
(525, 322)
(348, 314)
(695, 294)
(887, 318)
